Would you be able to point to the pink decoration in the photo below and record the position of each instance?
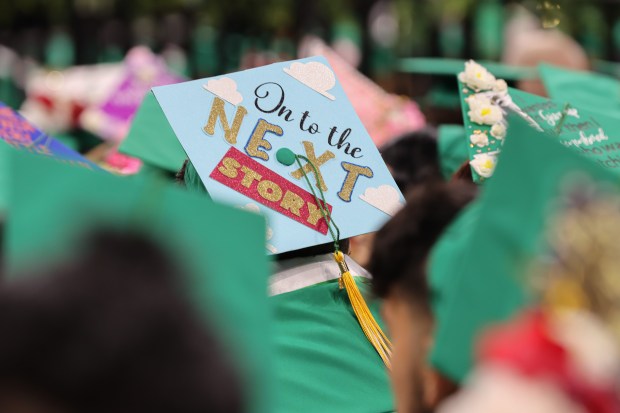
(232, 172)
(385, 116)
(112, 118)
(123, 164)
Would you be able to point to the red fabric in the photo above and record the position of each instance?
(526, 345)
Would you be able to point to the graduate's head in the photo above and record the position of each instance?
(110, 332)
(314, 250)
(399, 265)
(413, 158)
(463, 173)
(1, 248)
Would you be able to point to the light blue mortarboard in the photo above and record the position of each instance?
(235, 127)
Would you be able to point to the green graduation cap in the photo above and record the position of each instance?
(606, 67)
(497, 254)
(452, 146)
(486, 100)
(152, 139)
(442, 92)
(446, 257)
(452, 67)
(586, 90)
(221, 248)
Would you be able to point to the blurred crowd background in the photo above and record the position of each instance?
(203, 38)
(80, 69)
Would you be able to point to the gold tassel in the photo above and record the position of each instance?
(367, 321)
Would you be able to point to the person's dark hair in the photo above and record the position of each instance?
(413, 158)
(1, 248)
(315, 250)
(463, 173)
(179, 178)
(112, 332)
(401, 247)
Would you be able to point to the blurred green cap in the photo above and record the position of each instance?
(446, 257)
(492, 253)
(222, 249)
(152, 139)
(453, 150)
(442, 92)
(452, 67)
(587, 90)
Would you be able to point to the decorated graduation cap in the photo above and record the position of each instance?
(258, 137)
(16, 133)
(54, 206)
(142, 70)
(385, 116)
(487, 100)
(497, 256)
(586, 90)
(283, 140)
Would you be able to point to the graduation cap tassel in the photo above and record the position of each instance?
(367, 321)
(369, 325)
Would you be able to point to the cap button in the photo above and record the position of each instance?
(285, 156)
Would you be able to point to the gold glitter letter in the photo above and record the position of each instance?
(314, 213)
(270, 190)
(218, 112)
(353, 172)
(292, 202)
(326, 156)
(257, 141)
(229, 167)
(249, 177)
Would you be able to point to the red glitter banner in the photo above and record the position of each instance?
(248, 177)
